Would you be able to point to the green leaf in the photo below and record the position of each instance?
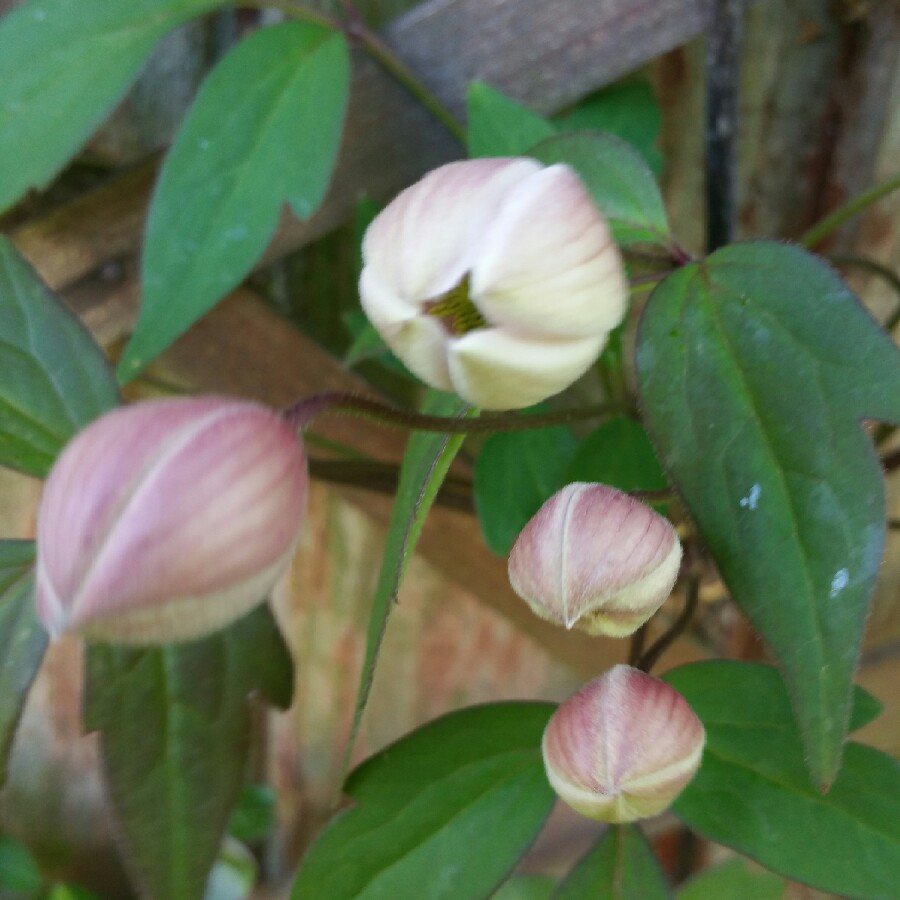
(752, 792)
(425, 464)
(618, 453)
(175, 726)
(263, 131)
(620, 866)
(514, 474)
(261, 656)
(445, 812)
(367, 342)
(622, 185)
(19, 873)
(53, 378)
(22, 639)
(64, 64)
(16, 562)
(254, 814)
(499, 126)
(628, 110)
(71, 892)
(733, 878)
(754, 369)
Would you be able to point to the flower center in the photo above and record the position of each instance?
(455, 309)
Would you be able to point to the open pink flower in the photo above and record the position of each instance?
(166, 520)
(494, 278)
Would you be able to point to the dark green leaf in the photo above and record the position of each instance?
(425, 464)
(71, 892)
(19, 873)
(618, 453)
(628, 110)
(445, 812)
(264, 131)
(22, 639)
(367, 343)
(754, 369)
(175, 727)
(499, 126)
(63, 66)
(260, 651)
(515, 473)
(752, 792)
(16, 561)
(622, 185)
(621, 866)
(733, 879)
(254, 814)
(53, 378)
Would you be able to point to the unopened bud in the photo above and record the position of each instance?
(623, 747)
(494, 278)
(596, 559)
(166, 520)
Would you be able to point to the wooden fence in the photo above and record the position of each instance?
(817, 123)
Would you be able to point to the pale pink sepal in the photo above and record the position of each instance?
(623, 747)
(164, 520)
(596, 559)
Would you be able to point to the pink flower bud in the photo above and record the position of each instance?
(596, 559)
(623, 747)
(494, 278)
(166, 520)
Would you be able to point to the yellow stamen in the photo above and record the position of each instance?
(456, 310)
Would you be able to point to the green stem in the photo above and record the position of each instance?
(835, 219)
(354, 29)
(870, 265)
(374, 475)
(645, 283)
(394, 66)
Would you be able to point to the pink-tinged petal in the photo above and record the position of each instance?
(525, 262)
(168, 517)
(623, 747)
(548, 262)
(499, 369)
(386, 309)
(425, 241)
(594, 558)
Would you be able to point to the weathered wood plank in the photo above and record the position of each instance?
(545, 52)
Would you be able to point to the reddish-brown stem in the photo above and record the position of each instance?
(649, 659)
(304, 411)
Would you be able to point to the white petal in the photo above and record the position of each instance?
(424, 242)
(385, 307)
(496, 369)
(417, 339)
(548, 262)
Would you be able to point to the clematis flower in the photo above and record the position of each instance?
(596, 559)
(165, 520)
(494, 278)
(623, 747)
